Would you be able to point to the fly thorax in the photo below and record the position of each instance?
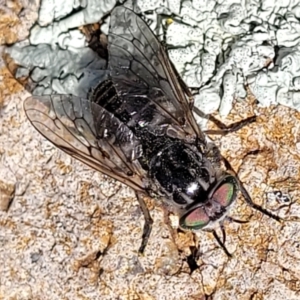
(182, 173)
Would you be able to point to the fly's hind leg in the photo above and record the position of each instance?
(224, 129)
(148, 222)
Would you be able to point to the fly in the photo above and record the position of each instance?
(138, 127)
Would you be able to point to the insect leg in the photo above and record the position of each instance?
(221, 243)
(247, 196)
(255, 206)
(224, 129)
(148, 222)
(236, 220)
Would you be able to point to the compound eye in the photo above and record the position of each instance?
(225, 194)
(195, 219)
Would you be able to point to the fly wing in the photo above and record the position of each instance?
(141, 72)
(90, 134)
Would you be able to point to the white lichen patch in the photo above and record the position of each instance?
(231, 38)
(216, 46)
(56, 59)
(77, 70)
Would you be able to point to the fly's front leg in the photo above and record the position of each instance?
(220, 241)
(148, 222)
(224, 129)
(230, 219)
(246, 195)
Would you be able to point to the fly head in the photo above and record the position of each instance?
(218, 202)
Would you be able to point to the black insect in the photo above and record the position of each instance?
(138, 127)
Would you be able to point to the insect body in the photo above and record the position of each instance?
(138, 128)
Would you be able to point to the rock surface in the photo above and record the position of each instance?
(72, 233)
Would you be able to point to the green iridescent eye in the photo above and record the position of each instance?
(194, 220)
(226, 192)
